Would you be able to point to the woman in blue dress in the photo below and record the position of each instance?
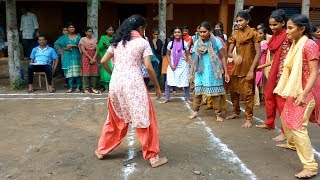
(209, 72)
(71, 59)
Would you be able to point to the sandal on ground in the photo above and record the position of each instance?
(78, 91)
(95, 91)
(51, 90)
(99, 156)
(30, 90)
(161, 161)
(70, 91)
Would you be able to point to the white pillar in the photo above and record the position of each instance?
(162, 19)
(13, 41)
(305, 7)
(93, 15)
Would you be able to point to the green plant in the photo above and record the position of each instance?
(18, 84)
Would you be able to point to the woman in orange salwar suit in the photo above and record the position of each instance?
(128, 99)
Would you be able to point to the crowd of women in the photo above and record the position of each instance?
(282, 68)
(79, 59)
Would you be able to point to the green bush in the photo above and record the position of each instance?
(18, 84)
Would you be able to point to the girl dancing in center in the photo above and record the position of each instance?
(128, 99)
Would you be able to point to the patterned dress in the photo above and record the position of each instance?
(128, 94)
(292, 114)
(206, 83)
(180, 76)
(87, 68)
(71, 59)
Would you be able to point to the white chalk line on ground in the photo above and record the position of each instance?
(48, 98)
(317, 154)
(48, 94)
(129, 167)
(60, 98)
(278, 130)
(73, 94)
(225, 153)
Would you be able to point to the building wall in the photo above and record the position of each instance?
(49, 15)
(52, 15)
(190, 15)
(314, 3)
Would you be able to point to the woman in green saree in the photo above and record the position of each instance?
(103, 45)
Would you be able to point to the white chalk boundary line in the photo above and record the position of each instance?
(278, 130)
(48, 94)
(49, 98)
(225, 153)
(60, 98)
(130, 167)
(55, 94)
(104, 98)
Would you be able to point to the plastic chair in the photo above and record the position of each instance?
(45, 77)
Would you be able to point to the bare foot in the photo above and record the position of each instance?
(193, 115)
(164, 102)
(247, 124)
(78, 90)
(219, 118)
(280, 137)
(189, 101)
(161, 161)
(305, 174)
(233, 116)
(284, 145)
(175, 93)
(99, 156)
(86, 91)
(262, 126)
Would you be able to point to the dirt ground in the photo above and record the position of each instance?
(53, 136)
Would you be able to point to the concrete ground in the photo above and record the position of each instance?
(53, 136)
